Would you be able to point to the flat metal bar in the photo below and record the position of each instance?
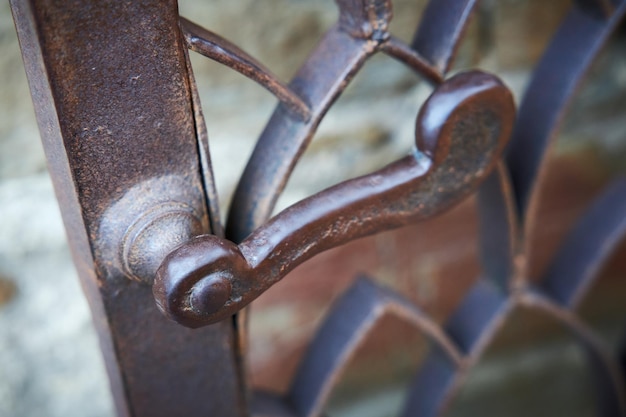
(432, 387)
(567, 59)
(604, 367)
(397, 49)
(65, 191)
(114, 107)
(285, 137)
(211, 197)
(345, 329)
(588, 246)
(221, 50)
(472, 327)
(441, 30)
(469, 326)
(499, 232)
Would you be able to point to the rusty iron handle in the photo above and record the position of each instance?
(461, 131)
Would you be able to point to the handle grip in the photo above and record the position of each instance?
(461, 131)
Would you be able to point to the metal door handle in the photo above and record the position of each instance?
(461, 131)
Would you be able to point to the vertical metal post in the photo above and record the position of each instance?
(113, 100)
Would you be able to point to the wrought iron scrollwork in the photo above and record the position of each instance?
(460, 132)
(118, 176)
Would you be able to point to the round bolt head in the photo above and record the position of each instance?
(210, 294)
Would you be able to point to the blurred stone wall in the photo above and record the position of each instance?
(49, 359)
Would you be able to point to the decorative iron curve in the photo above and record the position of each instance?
(507, 199)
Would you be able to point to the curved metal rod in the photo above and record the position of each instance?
(342, 52)
(399, 50)
(573, 49)
(472, 327)
(508, 209)
(610, 386)
(461, 130)
(213, 46)
(284, 138)
(590, 243)
(499, 235)
(348, 326)
(441, 30)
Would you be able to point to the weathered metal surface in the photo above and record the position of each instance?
(362, 31)
(102, 114)
(219, 49)
(460, 132)
(505, 227)
(345, 329)
(438, 36)
(284, 138)
(113, 100)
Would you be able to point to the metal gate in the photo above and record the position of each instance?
(127, 148)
